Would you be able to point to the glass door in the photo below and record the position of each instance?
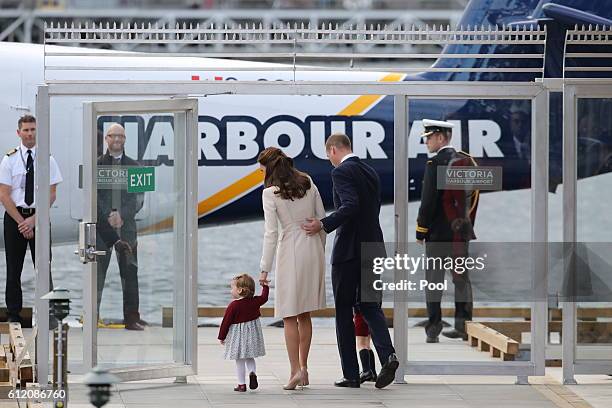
(138, 237)
(496, 308)
(587, 273)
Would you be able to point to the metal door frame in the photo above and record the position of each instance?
(185, 298)
(535, 91)
(573, 91)
(538, 94)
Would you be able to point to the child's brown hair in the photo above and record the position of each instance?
(245, 285)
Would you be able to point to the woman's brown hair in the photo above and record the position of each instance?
(245, 285)
(280, 172)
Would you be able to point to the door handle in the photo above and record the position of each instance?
(87, 251)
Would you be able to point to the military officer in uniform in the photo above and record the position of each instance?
(117, 228)
(445, 222)
(17, 197)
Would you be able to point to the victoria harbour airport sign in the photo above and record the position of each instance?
(131, 178)
(469, 177)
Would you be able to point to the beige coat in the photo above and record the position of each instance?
(299, 277)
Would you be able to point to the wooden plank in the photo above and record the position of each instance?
(34, 403)
(13, 374)
(5, 374)
(489, 336)
(26, 317)
(588, 332)
(418, 312)
(18, 343)
(26, 374)
(5, 387)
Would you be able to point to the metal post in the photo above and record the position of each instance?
(569, 227)
(59, 355)
(90, 293)
(191, 249)
(539, 229)
(42, 264)
(400, 199)
(180, 215)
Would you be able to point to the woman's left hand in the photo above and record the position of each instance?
(263, 278)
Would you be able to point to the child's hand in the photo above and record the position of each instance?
(263, 279)
(222, 342)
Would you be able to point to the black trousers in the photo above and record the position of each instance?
(128, 271)
(346, 282)
(463, 287)
(15, 250)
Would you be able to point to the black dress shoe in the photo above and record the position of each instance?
(432, 339)
(343, 382)
(134, 326)
(387, 372)
(455, 334)
(367, 376)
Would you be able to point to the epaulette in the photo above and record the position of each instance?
(469, 157)
(10, 152)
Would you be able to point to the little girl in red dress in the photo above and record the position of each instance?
(240, 329)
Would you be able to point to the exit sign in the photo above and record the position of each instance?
(140, 179)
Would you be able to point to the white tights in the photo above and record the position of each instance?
(243, 364)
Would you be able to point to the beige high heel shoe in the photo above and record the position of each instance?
(294, 382)
(304, 373)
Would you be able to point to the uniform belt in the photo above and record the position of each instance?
(26, 211)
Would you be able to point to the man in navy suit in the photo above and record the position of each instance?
(357, 199)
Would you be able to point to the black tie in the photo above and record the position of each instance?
(29, 190)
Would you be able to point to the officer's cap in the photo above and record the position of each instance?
(433, 126)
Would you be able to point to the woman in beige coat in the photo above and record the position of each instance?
(289, 198)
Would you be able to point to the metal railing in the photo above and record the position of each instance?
(588, 51)
(293, 47)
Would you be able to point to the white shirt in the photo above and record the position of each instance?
(348, 156)
(13, 173)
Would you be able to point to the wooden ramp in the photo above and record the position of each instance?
(489, 339)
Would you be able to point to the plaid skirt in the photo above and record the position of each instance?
(244, 340)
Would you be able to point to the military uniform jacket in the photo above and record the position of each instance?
(440, 210)
(128, 204)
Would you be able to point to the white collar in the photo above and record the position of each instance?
(24, 150)
(348, 156)
(445, 147)
(116, 157)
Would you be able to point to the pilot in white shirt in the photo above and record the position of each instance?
(17, 197)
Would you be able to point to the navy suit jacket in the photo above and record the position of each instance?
(357, 200)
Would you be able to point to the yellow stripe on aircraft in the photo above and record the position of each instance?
(255, 178)
(365, 101)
